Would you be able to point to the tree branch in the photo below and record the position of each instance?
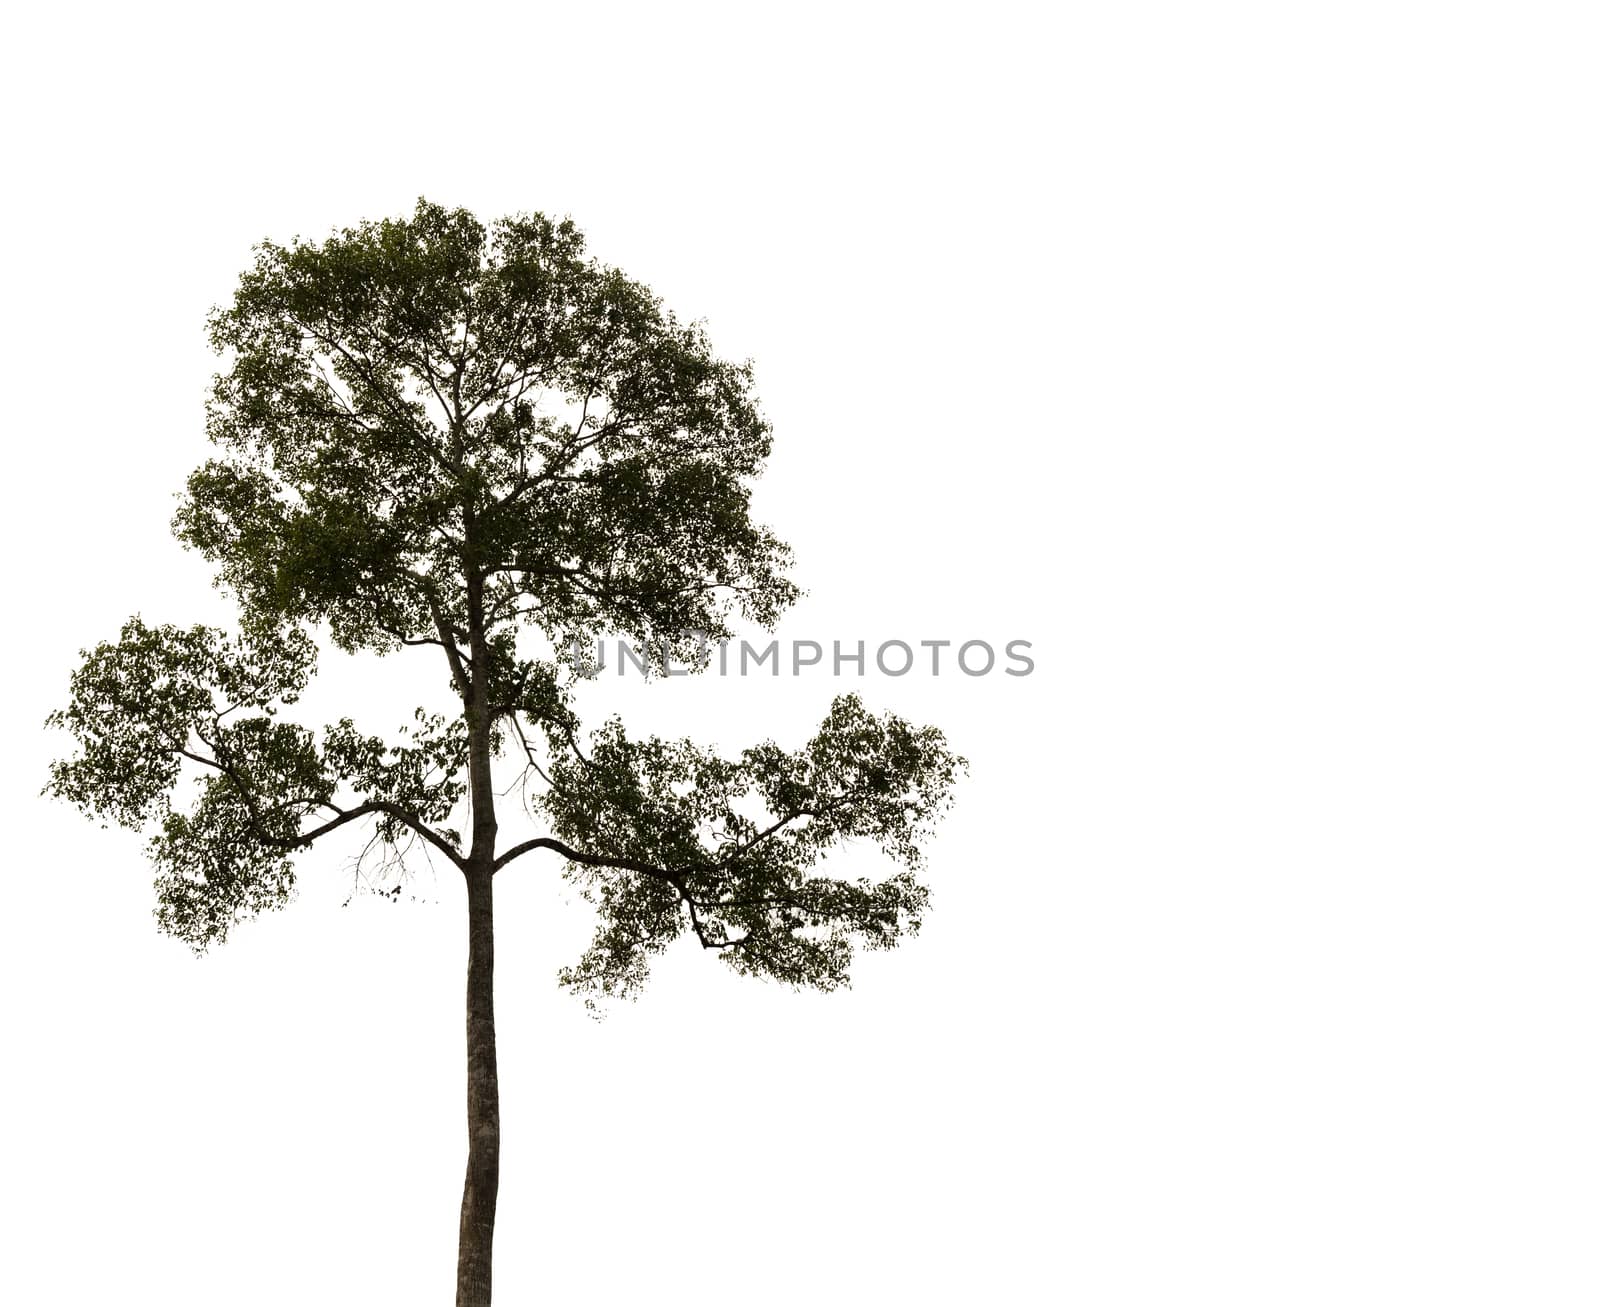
(305, 838)
(625, 864)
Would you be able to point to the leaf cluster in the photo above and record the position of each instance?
(690, 841)
(429, 431)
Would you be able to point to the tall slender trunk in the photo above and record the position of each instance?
(473, 1263)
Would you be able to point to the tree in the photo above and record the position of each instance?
(475, 440)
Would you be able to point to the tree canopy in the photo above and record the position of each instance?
(474, 439)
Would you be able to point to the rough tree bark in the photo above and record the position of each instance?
(473, 1260)
(473, 1270)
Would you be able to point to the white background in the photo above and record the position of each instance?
(1242, 357)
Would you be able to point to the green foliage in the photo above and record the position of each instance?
(159, 697)
(432, 432)
(424, 777)
(137, 705)
(722, 847)
(220, 864)
(412, 396)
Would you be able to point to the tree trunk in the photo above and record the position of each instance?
(474, 1271)
(473, 1268)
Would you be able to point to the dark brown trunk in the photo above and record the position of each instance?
(473, 1264)
(473, 1261)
